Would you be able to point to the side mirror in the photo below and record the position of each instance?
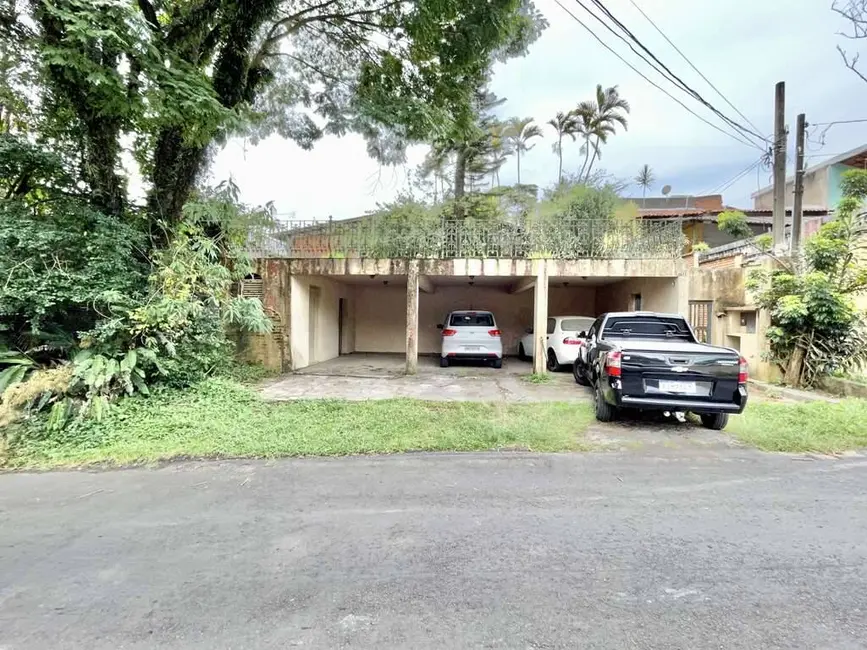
(529, 330)
(439, 326)
(582, 335)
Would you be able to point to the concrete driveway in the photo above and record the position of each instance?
(381, 376)
(689, 548)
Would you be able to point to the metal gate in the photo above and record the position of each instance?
(700, 318)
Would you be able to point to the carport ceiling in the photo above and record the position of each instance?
(506, 281)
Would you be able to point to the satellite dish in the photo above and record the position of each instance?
(666, 190)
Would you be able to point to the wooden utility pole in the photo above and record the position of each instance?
(779, 220)
(798, 202)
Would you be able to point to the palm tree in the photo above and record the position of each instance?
(519, 134)
(565, 124)
(606, 115)
(499, 150)
(645, 179)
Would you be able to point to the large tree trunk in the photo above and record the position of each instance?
(101, 157)
(796, 367)
(176, 167)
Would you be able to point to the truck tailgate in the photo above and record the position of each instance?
(688, 371)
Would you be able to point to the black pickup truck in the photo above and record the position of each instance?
(651, 361)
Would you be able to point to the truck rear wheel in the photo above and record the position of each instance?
(604, 411)
(715, 421)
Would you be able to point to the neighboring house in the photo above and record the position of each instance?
(699, 216)
(821, 182)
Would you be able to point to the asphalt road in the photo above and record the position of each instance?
(660, 549)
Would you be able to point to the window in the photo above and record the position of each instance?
(575, 324)
(479, 319)
(552, 325)
(635, 302)
(647, 327)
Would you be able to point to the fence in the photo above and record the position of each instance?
(382, 237)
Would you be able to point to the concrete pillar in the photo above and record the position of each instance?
(412, 318)
(682, 283)
(540, 317)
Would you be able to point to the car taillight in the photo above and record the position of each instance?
(494, 332)
(612, 363)
(449, 332)
(571, 341)
(743, 371)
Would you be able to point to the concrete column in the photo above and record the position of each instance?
(412, 318)
(682, 283)
(540, 317)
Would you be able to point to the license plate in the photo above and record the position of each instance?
(677, 386)
(472, 348)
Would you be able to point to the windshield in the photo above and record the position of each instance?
(646, 327)
(576, 324)
(480, 319)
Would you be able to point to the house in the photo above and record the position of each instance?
(334, 288)
(699, 216)
(822, 188)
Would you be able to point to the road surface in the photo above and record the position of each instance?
(660, 549)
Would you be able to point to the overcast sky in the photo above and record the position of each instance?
(743, 46)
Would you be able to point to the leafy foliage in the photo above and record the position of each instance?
(816, 328)
(734, 222)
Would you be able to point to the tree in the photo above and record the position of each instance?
(816, 328)
(180, 76)
(645, 180)
(565, 124)
(602, 117)
(519, 134)
(854, 11)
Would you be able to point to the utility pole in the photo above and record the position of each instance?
(779, 220)
(798, 203)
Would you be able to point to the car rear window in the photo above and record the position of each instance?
(646, 327)
(576, 324)
(472, 320)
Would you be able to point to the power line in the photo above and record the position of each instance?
(677, 80)
(650, 81)
(838, 122)
(722, 187)
(692, 65)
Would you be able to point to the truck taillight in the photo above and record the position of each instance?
(569, 340)
(449, 332)
(494, 332)
(612, 363)
(743, 371)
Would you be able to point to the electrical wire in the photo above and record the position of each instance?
(650, 81)
(722, 187)
(692, 65)
(838, 122)
(677, 80)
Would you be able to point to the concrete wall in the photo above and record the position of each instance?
(821, 188)
(657, 294)
(325, 344)
(380, 316)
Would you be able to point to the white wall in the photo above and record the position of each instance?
(326, 334)
(657, 294)
(380, 313)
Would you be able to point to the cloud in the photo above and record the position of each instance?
(744, 47)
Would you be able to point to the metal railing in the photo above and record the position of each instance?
(382, 237)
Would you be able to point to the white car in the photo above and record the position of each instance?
(563, 345)
(471, 335)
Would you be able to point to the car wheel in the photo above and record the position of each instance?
(604, 411)
(444, 362)
(522, 354)
(553, 365)
(578, 373)
(715, 421)
(497, 363)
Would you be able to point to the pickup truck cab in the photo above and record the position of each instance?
(652, 361)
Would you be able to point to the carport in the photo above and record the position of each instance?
(397, 312)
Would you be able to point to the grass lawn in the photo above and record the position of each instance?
(809, 426)
(221, 417)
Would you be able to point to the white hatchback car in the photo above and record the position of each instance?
(471, 335)
(562, 342)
